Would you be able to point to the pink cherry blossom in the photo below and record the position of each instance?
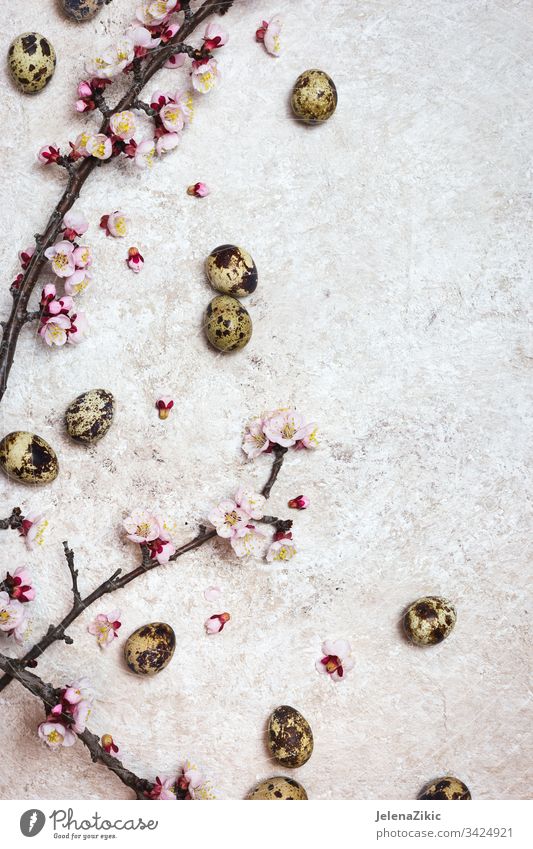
(152, 12)
(249, 542)
(54, 330)
(79, 327)
(301, 502)
(74, 224)
(56, 734)
(79, 691)
(142, 527)
(228, 520)
(269, 33)
(80, 714)
(12, 614)
(48, 154)
(116, 224)
(282, 549)
(183, 99)
(79, 146)
(171, 116)
(112, 60)
(164, 404)
(83, 256)
(166, 142)
(287, 427)
(78, 282)
(144, 154)
(336, 660)
(135, 260)
(251, 502)
(212, 593)
(123, 125)
(164, 789)
(159, 99)
(143, 37)
(84, 89)
(105, 627)
(33, 526)
(255, 440)
(19, 585)
(205, 75)
(199, 190)
(177, 60)
(61, 259)
(215, 623)
(99, 146)
(162, 549)
(215, 36)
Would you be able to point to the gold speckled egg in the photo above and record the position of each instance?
(445, 788)
(429, 620)
(314, 97)
(228, 325)
(150, 648)
(28, 458)
(278, 788)
(82, 10)
(89, 416)
(32, 61)
(232, 271)
(289, 737)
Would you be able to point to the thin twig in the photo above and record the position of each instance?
(69, 555)
(279, 453)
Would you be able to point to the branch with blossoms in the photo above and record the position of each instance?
(68, 708)
(235, 520)
(155, 39)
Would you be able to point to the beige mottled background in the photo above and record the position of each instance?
(392, 246)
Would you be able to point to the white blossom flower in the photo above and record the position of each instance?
(205, 75)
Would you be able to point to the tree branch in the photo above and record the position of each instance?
(115, 582)
(279, 453)
(80, 172)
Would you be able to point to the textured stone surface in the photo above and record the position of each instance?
(394, 254)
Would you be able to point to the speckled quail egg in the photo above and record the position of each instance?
(429, 620)
(150, 648)
(28, 458)
(89, 416)
(232, 271)
(314, 97)
(289, 737)
(228, 325)
(32, 61)
(278, 788)
(445, 788)
(82, 10)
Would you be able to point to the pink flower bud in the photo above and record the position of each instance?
(84, 89)
(135, 260)
(215, 623)
(198, 190)
(81, 106)
(48, 154)
(301, 502)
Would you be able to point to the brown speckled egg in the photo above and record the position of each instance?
(82, 10)
(445, 788)
(228, 325)
(150, 648)
(32, 61)
(289, 737)
(89, 416)
(278, 788)
(429, 620)
(314, 97)
(232, 271)
(28, 458)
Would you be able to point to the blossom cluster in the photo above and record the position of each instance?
(148, 530)
(15, 591)
(155, 24)
(69, 716)
(188, 784)
(70, 261)
(284, 427)
(235, 519)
